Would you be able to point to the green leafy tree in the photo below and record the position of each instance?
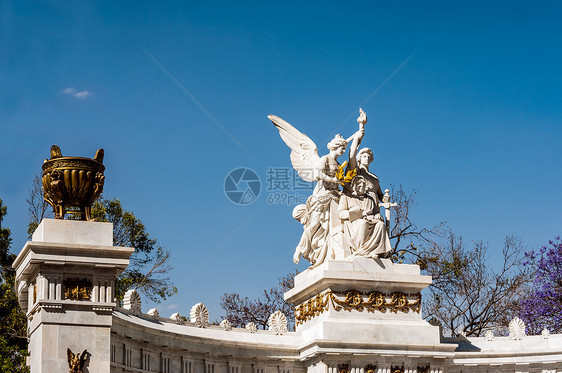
(13, 323)
(149, 264)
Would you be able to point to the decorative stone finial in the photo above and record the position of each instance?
(489, 335)
(251, 327)
(199, 315)
(516, 329)
(176, 317)
(153, 312)
(545, 333)
(226, 325)
(72, 184)
(277, 323)
(132, 301)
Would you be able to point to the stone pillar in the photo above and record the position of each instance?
(55, 278)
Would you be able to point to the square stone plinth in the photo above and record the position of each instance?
(359, 274)
(74, 232)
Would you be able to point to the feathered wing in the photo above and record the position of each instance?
(69, 356)
(304, 153)
(83, 358)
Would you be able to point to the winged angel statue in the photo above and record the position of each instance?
(323, 236)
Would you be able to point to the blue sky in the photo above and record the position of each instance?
(464, 103)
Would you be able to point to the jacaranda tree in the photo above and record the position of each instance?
(542, 308)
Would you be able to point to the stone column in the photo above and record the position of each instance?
(55, 274)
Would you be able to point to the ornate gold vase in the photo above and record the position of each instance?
(72, 184)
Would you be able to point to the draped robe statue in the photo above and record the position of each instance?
(324, 237)
(364, 230)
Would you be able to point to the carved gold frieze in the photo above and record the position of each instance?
(370, 368)
(77, 289)
(354, 300)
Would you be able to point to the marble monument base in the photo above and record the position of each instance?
(365, 301)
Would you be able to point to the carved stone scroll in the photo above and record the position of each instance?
(153, 312)
(251, 327)
(516, 329)
(225, 324)
(132, 302)
(277, 323)
(199, 315)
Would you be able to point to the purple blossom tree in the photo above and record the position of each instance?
(543, 307)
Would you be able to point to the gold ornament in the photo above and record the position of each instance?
(77, 289)
(355, 300)
(72, 184)
(345, 177)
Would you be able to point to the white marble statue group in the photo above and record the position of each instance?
(337, 222)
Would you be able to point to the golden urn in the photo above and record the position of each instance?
(72, 184)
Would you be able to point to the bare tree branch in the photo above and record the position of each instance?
(241, 311)
(402, 229)
(467, 295)
(37, 208)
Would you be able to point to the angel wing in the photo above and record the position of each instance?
(304, 153)
(83, 358)
(70, 357)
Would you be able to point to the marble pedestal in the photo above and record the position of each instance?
(65, 281)
(364, 307)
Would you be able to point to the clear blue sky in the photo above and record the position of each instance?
(471, 115)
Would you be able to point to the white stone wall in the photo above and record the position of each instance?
(145, 344)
